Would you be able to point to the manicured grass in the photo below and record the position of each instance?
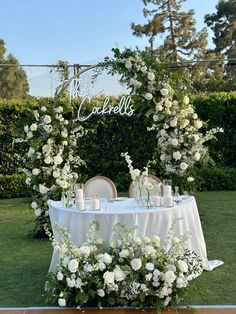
(24, 261)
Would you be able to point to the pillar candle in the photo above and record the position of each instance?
(156, 200)
(95, 204)
(168, 201)
(79, 194)
(80, 204)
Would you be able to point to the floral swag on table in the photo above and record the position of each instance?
(180, 143)
(52, 164)
(131, 271)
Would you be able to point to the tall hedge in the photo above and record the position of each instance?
(108, 136)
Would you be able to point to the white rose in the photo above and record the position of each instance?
(61, 302)
(183, 266)
(107, 259)
(173, 122)
(29, 135)
(33, 127)
(28, 181)
(124, 253)
(119, 275)
(47, 119)
(26, 128)
(56, 173)
(73, 265)
(43, 108)
(198, 124)
(159, 108)
(197, 156)
(164, 91)
(64, 134)
(169, 277)
(70, 282)
(59, 109)
(47, 128)
(151, 76)
(148, 277)
(136, 263)
(148, 96)
(143, 69)
(34, 205)
(60, 276)
(48, 160)
(163, 157)
(128, 64)
(149, 266)
(38, 212)
(185, 100)
(101, 293)
(183, 166)
(168, 103)
(155, 117)
(108, 277)
(46, 148)
(190, 179)
(101, 266)
(196, 137)
(195, 116)
(43, 189)
(35, 171)
(58, 160)
(162, 132)
(176, 155)
(174, 142)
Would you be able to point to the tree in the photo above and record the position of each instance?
(165, 18)
(223, 25)
(13, 79)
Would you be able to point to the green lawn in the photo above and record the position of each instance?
(24, 261)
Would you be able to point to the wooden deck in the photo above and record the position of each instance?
(178, 310)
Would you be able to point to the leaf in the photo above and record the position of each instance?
(111, 300)
(81, 297)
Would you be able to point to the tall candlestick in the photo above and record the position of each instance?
(79, 204)
(95, 204)
(167, 191)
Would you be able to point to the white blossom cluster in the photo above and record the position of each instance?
(179, 137)
(51, 160)
(129, 267)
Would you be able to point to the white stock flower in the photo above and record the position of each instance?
(33, 127)
(156, 240)
(190, 179)
(38, 212)
(183, 166)
(185, 100)
(84, 250)
(176, 155)
(164, 91)
(62, 302)
(60, 276)
(151, 76)
(101, 293)
(183, 266)
(43, 189)
(36, 171)
(148, 96)
(149, 266)
(47, 119)
(136, 264)
(135, 173)
(108, 277)
(73, 265)
(58, 109)
(174, 142)
(128, 64)
(169, 277)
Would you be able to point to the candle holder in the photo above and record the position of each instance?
(167, 193)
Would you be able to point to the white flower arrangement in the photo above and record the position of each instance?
(138, 272)
(51, 160)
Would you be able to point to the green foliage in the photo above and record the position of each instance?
(13, 80)
(219, 110)
(13, 185)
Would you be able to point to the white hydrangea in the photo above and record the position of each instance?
(33, 127)
(47, 119)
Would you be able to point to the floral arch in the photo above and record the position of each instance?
(52, 136)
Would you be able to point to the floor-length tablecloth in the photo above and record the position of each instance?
(127, 212)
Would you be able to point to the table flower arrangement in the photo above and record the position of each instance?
(132, 271)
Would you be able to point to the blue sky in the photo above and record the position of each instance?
(79, 31)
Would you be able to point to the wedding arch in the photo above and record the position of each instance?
(52, 138)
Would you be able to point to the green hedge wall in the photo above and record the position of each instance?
(13, 185)
(111, 135)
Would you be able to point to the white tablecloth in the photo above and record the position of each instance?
(127, 212)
